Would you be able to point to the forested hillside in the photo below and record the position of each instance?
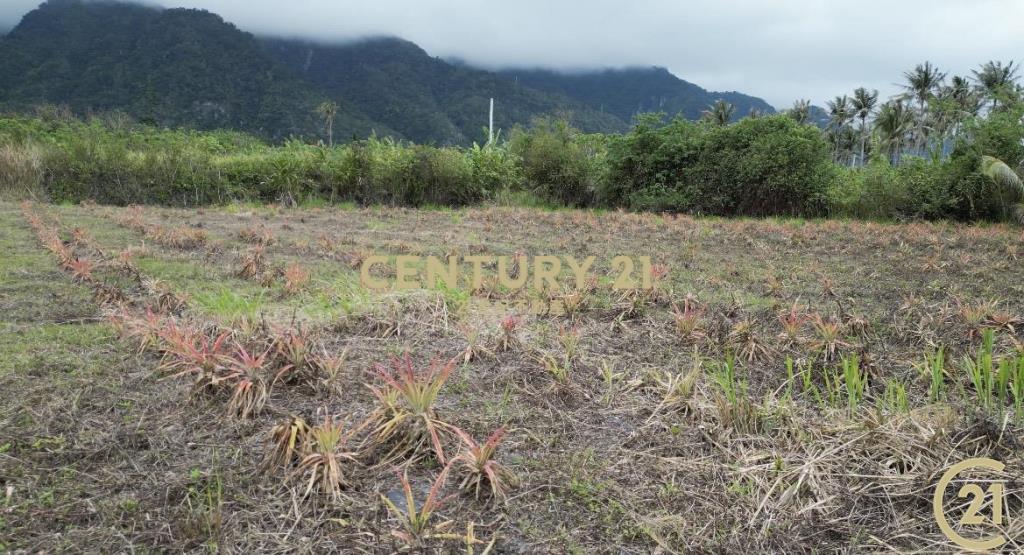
(190, 68)
(627, 92)
(424, 98)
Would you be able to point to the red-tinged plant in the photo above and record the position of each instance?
(405, 409)
(80, 236)
(329, 368)
(254, 236)
(295, 349)
(658, 274)
(190, 352)
(126, 258)
(295, 278)
(509, 340)
(747, 344)
(146, 331)
(105, 294)
(828, 338)
(81, 269)
(688, 320)
(324, 463)
(478, 464)
(249, 393)
(415, 520)
(1004, 320)
(792, 321)
(254, 263)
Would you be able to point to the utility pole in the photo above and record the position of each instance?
(490, 124)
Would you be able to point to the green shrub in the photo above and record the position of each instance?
(926, 184)
(757, 167)
(495, 169)
(559, 163)
(916, 189)
(21, 172)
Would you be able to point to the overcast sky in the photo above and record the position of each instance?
(779, 50)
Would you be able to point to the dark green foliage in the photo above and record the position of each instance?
(426, 99)
(173, 67)
(758, 166)
(941, 188)
(189, 68)
(115, 162)
(627, 92)
(560, 164)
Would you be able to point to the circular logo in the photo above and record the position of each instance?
(975, 512)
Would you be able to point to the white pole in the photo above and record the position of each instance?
(490, 125)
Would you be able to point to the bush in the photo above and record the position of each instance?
(495, 169)
(917, 189)
(559, 163)
(1000, 135)
(869, 192)
(926, 184)
(21, 172)
(757, 167)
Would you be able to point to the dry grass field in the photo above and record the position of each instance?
(219, 379)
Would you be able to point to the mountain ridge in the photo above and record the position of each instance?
(628, 91)
(191, 68)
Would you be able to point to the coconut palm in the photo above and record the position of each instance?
(894, 122)
(840, 112)
(952, 105)
(720, 113)
(1010, 184)
(994, 79)
(921, 86)
(328, 110)
(863, 105)
(967, 100)
(801, 111)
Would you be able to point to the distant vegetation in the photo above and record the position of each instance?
(948, 148)
(940, 153)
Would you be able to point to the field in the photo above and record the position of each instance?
(784, 385)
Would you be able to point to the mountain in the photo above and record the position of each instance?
(627, 92)
(424, 98)
(819, 116)
(177, 67)
(190, 68)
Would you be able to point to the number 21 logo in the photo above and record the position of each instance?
(974, 514)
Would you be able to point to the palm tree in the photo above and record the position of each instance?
(863, 105)
(801, 111)
(840, 113)
(720, 113)
(922, 83)
(893, 123)
(1010, 184)
(967, 101)
(994, 79)
(328, 110)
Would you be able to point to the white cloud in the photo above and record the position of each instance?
(779, 50)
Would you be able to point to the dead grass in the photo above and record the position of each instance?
(640, 437)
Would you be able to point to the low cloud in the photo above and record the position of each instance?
(780, 50)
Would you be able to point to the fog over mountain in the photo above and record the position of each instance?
(780, 50)
(192, 68)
